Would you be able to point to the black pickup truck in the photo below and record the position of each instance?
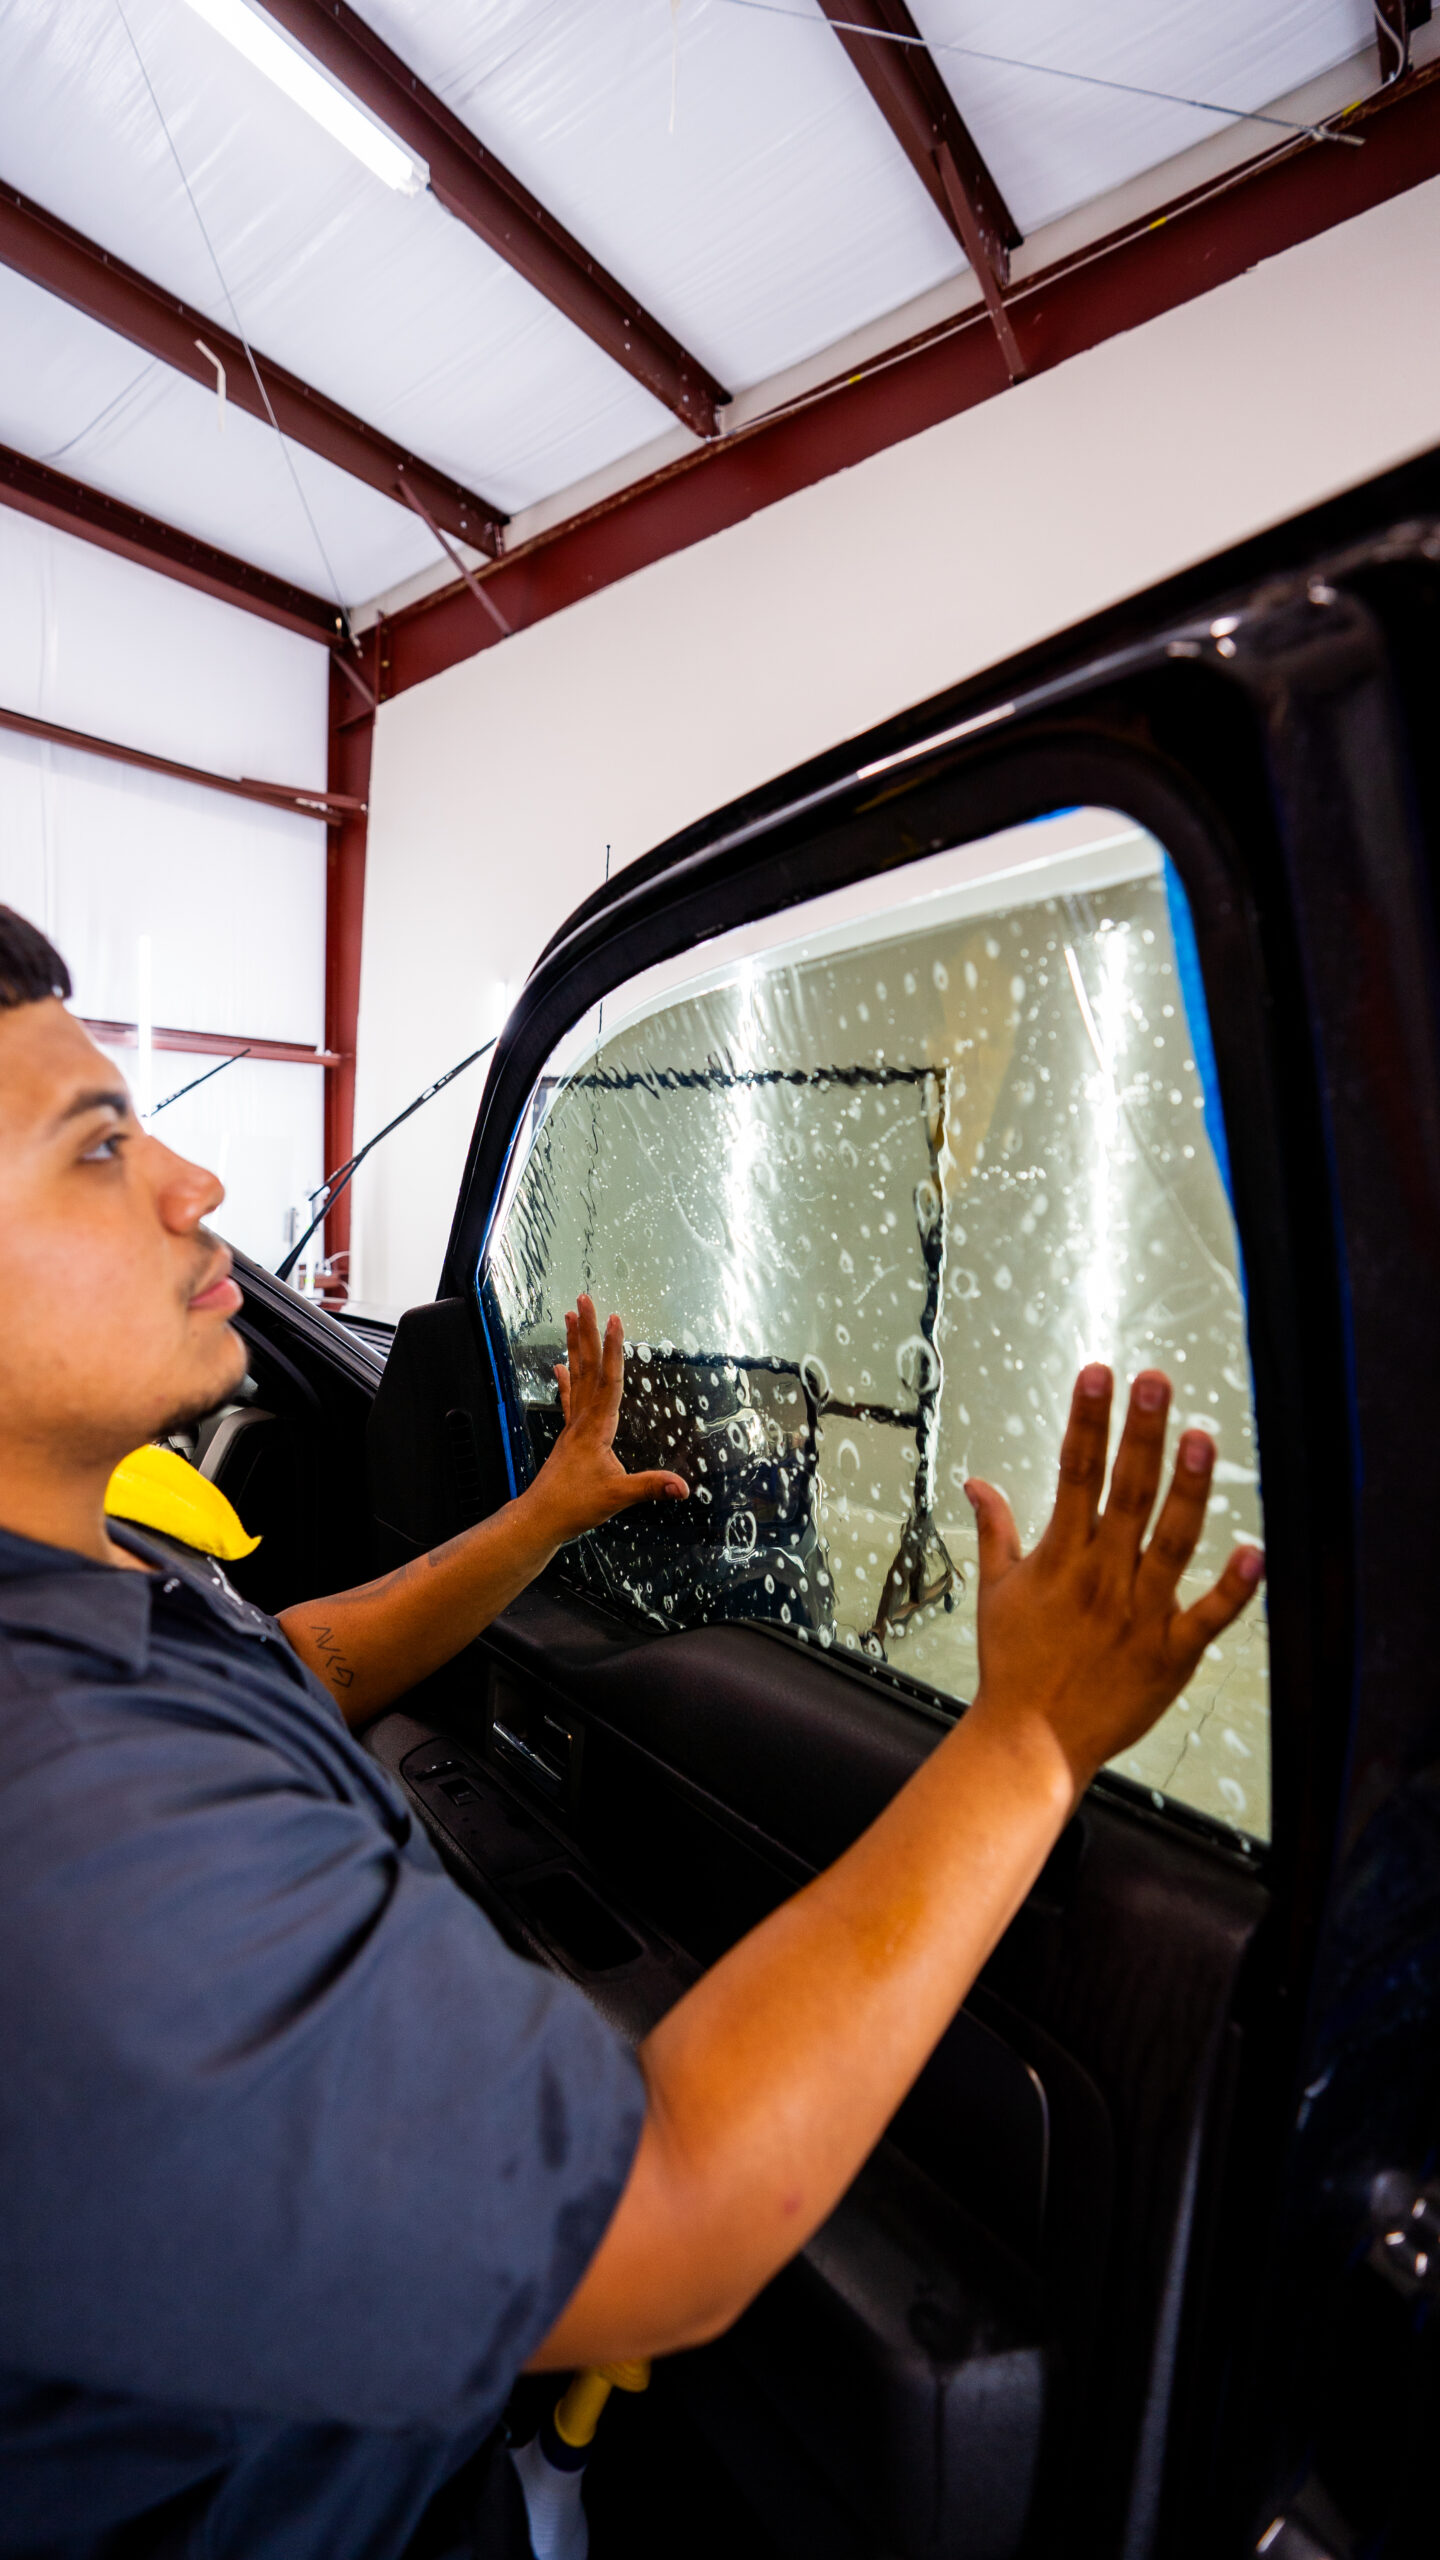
(1091, 1009)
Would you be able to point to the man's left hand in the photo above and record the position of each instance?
(582, 1482)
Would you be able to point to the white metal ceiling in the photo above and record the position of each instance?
(1055, 143)
(722, 160)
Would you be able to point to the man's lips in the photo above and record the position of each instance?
(220, 1295)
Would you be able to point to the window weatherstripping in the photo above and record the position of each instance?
(868, 1186)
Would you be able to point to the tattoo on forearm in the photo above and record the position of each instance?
(337, 1670)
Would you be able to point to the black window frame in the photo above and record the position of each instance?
(1130, 736)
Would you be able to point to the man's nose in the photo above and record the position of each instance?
(186, 1192)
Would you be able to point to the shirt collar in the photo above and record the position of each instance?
(52, 1591)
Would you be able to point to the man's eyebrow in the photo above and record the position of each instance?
(96, 1097)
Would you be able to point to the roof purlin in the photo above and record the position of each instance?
(917, 106)
(896, 68)
(1173, 255)
(39, 246)
(72, 506)
(478, 190)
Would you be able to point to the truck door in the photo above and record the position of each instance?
(1087, 1014)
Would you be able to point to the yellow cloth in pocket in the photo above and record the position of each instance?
(158, 1489)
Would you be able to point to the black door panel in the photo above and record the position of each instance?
(292, 1459)
(902, 2363)
(432, 1460)
(1058, 2132)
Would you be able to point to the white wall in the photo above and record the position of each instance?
(498, 785)
(229, 896)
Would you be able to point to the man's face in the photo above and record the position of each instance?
(114, 1301)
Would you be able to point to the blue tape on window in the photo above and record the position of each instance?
(501, 1403)
(1197, 1017)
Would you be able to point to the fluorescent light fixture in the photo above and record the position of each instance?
(263, 44)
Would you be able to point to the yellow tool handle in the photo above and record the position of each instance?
(578, 2413)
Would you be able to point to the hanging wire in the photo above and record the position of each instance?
(58, 452)
(233, 309)
(1044, 70)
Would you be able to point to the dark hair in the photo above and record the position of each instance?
(30, 967)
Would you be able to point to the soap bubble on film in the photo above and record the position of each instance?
(917, 1365)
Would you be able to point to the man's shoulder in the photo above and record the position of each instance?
(120, 1728)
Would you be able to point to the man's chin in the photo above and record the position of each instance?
(225, 1372)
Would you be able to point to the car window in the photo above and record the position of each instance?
(868, 1183)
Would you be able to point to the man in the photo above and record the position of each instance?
(299, 2166)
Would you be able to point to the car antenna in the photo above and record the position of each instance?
(182, 1089)
(600, 1016)
(334, 1183)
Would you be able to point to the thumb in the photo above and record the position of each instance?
(995, 1529)
(653, 1486)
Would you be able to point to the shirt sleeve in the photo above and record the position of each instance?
(288, 2128)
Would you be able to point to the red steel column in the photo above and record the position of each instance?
(352, 731)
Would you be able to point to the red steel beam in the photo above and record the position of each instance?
(911, 95)
(1394, 21)
(1113, 285)
(211, 1044)
(352, 731)
(38, 245)
(334, 809)
(479, 191)
(34, 489)
(989, 280)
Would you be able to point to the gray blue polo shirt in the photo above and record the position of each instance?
(298, 2161)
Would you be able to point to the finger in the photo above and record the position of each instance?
(1135, 1476)
(562, 1381)
(1082, 1460)
(1220, 1606)
(658, 1484)
(612, 1369)
(995, 1530)
(1182, 1517)
(584, 1344)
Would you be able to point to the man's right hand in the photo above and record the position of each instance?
(1085, 1634)
(772, 2079)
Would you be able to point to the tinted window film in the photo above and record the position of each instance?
(868, 1183)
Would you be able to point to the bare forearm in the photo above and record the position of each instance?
(771, 2081)
(371, 1644)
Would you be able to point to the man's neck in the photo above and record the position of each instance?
(58, 1505)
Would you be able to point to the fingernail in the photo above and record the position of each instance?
(1150, 1391)
(973, 1500)
(1095, 1379)
(1251, 1565)
(1197, 1452)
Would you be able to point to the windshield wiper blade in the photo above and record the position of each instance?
(338, 1181)
(182, 1089)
